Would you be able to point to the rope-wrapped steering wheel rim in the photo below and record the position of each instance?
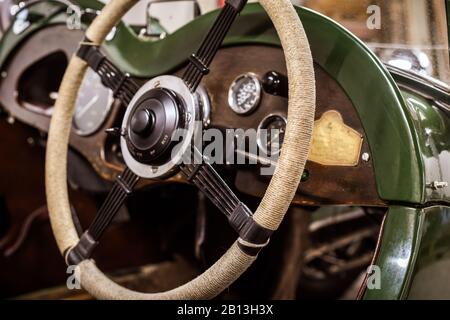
(276, 200)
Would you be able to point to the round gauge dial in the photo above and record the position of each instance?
(244, 94)
(92, 105)
(270, 134)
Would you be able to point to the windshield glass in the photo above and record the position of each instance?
(408, 34)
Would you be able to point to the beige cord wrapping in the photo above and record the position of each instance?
(206, 286)
(110, 16)
(278, 195)
(302, 102)
(56, 156)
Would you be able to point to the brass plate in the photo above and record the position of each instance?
(334, 143)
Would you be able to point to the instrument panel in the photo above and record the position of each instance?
(338, 172)
(349, 180)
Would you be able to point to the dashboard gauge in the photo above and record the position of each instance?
(270, 134)
(244, 94)
(93, 104)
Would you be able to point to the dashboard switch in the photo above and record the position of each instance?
(276, 84)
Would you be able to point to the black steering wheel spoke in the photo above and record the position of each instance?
(200, 61)
(252, 236)
(122, 188)
(122, 86)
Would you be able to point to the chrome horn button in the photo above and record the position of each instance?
(152, 121)
(162, 106)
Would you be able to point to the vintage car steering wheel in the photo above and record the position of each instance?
(175, 98)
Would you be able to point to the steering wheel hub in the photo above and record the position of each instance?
(153, 119)
(160, 107)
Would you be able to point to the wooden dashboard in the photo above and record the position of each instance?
(326, 184)
(340, 169)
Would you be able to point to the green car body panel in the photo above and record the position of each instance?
(408, 136)
(397, 253)
(433, 128)
(430, 277)
(414, 255)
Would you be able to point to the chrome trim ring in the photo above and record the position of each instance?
(191, 114)
(232, 91)
(263, 125)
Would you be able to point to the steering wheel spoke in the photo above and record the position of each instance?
(252, 236)
(200, 61)
(122, 188)
(122, 86)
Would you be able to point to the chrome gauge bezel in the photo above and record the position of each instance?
(262, 125)
(233, 87)
(108, 108)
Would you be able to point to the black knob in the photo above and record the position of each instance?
(276, 84)
(142, 122)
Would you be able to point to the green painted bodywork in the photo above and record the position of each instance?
(397, 253)
(44, 15)
(430, 278)
(434, 143)
(408, 136)
(414, 255)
